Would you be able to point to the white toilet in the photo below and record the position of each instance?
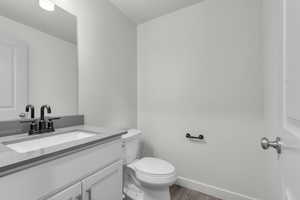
(145, 178)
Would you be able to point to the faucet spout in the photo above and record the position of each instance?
(31, 108)
(43, 111)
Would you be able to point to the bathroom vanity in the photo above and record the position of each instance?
(39, 65)
(87, 167)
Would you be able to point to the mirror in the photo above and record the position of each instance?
(38, 58)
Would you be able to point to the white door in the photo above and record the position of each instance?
(105, 184)
(13, 78)
(284, 55)
(71, 193)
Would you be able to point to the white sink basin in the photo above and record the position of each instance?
(48, 141)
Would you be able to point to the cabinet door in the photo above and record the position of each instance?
(105, 184)
(71, 193)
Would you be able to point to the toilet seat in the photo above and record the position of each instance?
(154, 171)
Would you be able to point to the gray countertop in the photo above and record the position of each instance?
(11, 161)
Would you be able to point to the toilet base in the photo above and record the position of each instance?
(134, 193)
(157, 194)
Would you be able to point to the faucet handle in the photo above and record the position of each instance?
(33, 125)
(22, 116)
(50, 122)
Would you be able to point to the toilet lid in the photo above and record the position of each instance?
(154, 166)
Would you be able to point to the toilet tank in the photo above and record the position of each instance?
(131, 145)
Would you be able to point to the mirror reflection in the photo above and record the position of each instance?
(38, 58)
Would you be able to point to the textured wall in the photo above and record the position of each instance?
(200, 70)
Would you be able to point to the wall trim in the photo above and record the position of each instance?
(212, 190)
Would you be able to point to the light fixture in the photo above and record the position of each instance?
(48, 5)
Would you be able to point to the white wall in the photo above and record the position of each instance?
(107, 63)
(200, 70)
(53, 68)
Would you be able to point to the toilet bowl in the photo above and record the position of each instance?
(145, 178)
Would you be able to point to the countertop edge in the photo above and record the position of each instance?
(31, 162)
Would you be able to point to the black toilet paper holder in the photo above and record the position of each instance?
(199, 137)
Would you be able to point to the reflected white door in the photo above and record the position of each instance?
(13, 78)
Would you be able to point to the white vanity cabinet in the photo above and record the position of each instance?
(92, 173)
(71, 193)
(105, 184)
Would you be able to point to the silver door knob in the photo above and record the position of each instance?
(266, 144)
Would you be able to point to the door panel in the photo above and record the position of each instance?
(290, 158)
(290, 165)
(106, 184)
(13, 78)
(7, 76)
(282, 62)
(71, 193)
(292, 49)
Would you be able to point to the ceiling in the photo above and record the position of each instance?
(143, 10)
(59, 23)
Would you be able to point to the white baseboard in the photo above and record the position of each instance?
(212, 190)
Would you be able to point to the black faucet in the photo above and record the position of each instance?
(43, 111)
(42, 122)
(31, 108)
(45, 125)
(33, 125)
